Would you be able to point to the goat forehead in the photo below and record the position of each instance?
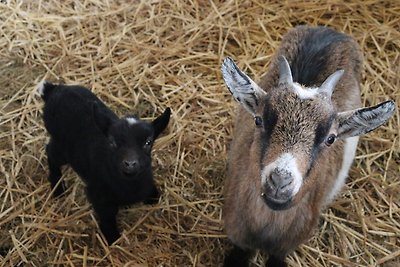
(292, 121)
(127, 131)
(294, 111)
(297, 119)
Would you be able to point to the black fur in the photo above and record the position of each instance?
(311, 57)
(275, 262)
(270, 118)
(322, 130)
(238, 257)
(321, 133)
(112, 156)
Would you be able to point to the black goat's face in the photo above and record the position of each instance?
(131, 140)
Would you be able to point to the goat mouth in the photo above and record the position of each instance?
(136, 174)
(276, 204)
(130, 175)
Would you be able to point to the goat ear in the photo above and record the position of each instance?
(103, 117)
(243, 89)
(161, 122)
(361, 121)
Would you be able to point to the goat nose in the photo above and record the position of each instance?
(130, 165)
(280, 181)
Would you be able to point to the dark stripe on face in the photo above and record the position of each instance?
(270, 118)
(321, 132)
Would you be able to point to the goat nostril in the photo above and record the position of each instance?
(280, 182)
(286, 183)
(130, 164)
(274, 179)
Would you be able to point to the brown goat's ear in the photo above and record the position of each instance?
(103, 117)
(361, 121)
(161, 122)
(243, 89)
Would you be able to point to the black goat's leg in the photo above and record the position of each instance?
(55, 161)
(107, 219)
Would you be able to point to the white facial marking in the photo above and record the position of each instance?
(285, 163)
(349, 153)
(131, 120)
(40, 87)
(304, 92)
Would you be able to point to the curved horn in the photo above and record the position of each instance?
(329, 84)
(285, 74)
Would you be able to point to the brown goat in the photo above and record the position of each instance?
(295, 138)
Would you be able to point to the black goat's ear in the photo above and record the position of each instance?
(102, 116)
(161, 122)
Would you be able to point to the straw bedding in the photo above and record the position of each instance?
(142, 56)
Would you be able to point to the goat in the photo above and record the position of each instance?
(294, 140)
(112, 155)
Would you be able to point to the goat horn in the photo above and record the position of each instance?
(285, 74)
(329, 84)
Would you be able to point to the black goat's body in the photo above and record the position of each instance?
(77, 140)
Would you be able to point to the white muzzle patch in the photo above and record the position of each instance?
(285, 163)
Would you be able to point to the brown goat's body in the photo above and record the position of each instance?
(249, 222)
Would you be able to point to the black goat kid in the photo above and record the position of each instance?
(111, 155)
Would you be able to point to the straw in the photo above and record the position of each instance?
(142, 56)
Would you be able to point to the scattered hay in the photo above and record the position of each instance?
(142, 56)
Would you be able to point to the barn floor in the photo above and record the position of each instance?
(143, 56)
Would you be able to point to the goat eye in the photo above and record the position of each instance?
(148, 143)
(330, 140)
(258, 120)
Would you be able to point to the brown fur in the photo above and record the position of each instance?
(249, 222)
